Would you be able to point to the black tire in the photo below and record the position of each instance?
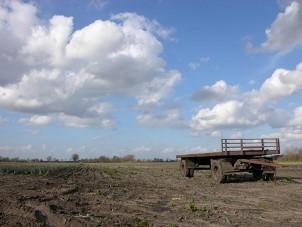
(268, 176)
(258, 174)
(217, 172)
(190, 173)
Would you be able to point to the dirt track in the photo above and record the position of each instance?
(148, 194)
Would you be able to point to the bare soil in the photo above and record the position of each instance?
(149, 194)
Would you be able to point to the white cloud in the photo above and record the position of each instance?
(16, 22)
(36, 120)
(153, 92)
(251, 108)
(281, 84)
(46, 45)
(195, 65)
(292, 131)
(236, 135)
(285, 33)
(83, 45)
(139, 22)
(216, 134)
(67, 73)
(84, 122)
(217, 92)
(230, 114)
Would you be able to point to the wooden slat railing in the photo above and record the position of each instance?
(246, 146)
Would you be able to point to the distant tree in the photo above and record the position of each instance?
(129, 158)
(49, 158)
(75, 157)
(103, 159)
(115, 159)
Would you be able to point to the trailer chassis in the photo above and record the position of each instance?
(254, 156)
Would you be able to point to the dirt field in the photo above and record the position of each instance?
(148, 194)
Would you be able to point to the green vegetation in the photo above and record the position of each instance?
(264, 205)
(204, 211)
(172, 225)
(141, 223)
(40, 169)
(192, 206)
(288, 179)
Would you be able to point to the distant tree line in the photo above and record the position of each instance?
(102, 159)
(126, 158)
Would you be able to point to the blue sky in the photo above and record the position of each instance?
(149, 78)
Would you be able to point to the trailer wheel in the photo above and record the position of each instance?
(257, 174)
(268, 176)
(217, 171)
(185, 171)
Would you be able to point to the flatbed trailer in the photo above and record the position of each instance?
(237, 155)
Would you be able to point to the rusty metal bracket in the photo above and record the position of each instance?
(262, 162)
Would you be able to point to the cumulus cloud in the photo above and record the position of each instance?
(153, 92)
(217, 92)
(285, 33)
(292, 131)
(36, 120)
(68, 73)
(230, 114)
(254, 107)
(16, 21)
(281, 84)
(137, 21)
(46, 44)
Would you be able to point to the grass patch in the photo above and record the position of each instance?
(192, 206)
(204, 211)
(288, 179)
(264, 205)
(38, 169)
(141, 223)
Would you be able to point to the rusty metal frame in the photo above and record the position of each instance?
(262, 162)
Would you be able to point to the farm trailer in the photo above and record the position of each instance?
(237, 155)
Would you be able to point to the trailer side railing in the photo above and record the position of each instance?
(264, 146)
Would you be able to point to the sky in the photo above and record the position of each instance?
(148, 78)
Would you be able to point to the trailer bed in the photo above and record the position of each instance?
(251, 153)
